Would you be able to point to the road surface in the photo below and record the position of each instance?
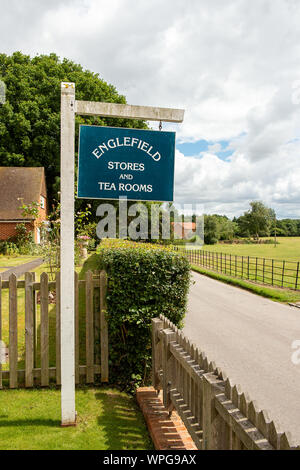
(250, 338)
(21, 269)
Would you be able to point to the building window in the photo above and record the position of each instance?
(42, 201)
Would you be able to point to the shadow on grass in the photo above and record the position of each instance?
(29, 422)
(122, 422)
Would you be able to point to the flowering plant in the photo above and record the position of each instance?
(84, 237)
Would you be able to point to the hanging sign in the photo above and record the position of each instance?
(118, 162)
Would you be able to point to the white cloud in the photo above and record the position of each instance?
(231, 65)
(228, 186)
(215, 148)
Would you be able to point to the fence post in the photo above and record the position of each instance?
(248, 276)
(272, 272)
(77, 340)
(297, 275)
(1, 332)
(157, 325)
(13, 332)
(282, 279)
(44, 331)
(29, 330)
(103, 327)
(57, 322)
(35, 323)
(215, 435)
(89, 305)
(168, 367)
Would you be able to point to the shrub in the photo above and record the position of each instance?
(144, 281)
(210, 239)
(8, 248)
(22, 237)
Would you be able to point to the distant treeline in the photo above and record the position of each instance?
(259, 221)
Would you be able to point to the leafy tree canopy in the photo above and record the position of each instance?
(257, 221)
(30, 117)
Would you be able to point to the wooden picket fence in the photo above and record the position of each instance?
(217, 414)
(30, 327)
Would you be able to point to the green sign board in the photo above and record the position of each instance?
(133, 163)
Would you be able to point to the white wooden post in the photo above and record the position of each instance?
(70, 107)
(68, 413)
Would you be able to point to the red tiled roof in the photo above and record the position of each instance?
(18, 186)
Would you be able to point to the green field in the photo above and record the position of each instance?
(288, 248)
(107, 420)
(262, 263)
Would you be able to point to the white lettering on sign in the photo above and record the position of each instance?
(126, 166)
(126, 177)
(126, 187)
(107, 186)
(126, 142)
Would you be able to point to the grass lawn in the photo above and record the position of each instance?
(107, 420)
(278, 295)
(288, 248)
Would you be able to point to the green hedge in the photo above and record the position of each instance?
(144, 281)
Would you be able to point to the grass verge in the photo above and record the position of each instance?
(278, 295)
(107, 420)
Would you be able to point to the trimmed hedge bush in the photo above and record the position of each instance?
(144, 281)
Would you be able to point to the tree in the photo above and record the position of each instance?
(257, 221)
(210, 230)
(226, 229)
(30, 117)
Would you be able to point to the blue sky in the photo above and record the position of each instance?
(190, 149)
(232, 65)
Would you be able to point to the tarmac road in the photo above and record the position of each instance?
(250, 338)
(21, 269)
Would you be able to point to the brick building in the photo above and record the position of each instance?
(18, 186)
(184, 230)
